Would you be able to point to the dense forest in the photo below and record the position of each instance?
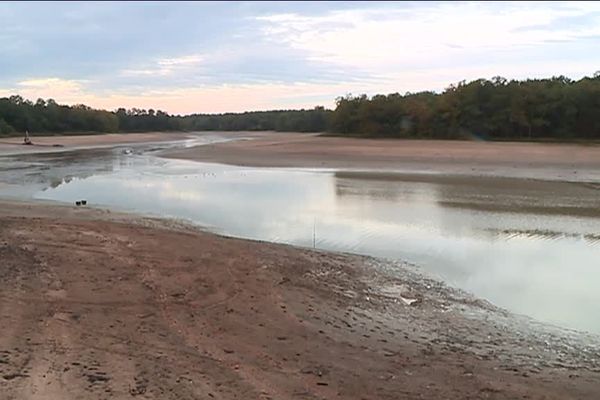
(46, 116)
(556, 108)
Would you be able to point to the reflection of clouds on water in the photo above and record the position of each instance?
(554, 279)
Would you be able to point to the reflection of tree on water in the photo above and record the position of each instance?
(347, 187)
(476, 193)
(52, 169)
(59, 175)
(55, 169)
(56, 182)
(480, 207)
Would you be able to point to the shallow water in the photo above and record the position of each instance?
(532, 247)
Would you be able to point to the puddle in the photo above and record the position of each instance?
(520, 245)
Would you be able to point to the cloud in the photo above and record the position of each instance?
(217, 57)
(224, 98)
(384, 39)
(576, 23)
(69, 91)
(216, 98)
(167, 66)
(193, 59)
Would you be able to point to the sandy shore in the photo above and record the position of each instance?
(47, 143)
(100, 305)
(567, 162)
(537, 160)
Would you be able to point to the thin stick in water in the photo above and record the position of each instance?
(314, 233)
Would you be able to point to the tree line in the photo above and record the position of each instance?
(556, 108)
(498, 109)
(18, 115)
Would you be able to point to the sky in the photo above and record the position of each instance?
(212, 57)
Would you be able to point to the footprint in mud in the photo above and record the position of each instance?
(10, 377)
(140, 386)
(97, 377)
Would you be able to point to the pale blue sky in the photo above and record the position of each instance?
(222, 56)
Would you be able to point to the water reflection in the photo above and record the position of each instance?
(489, 251)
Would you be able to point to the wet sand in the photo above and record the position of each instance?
(69, 142)
(102, 305)
(510, 159)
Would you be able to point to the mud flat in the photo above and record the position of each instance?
(572, 162)
(104, 305)
(68, 142)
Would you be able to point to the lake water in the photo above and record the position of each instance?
(532, 247)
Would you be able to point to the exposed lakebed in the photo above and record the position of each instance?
(530, 246)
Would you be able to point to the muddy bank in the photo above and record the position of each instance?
(102, 305)
(533, 160)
